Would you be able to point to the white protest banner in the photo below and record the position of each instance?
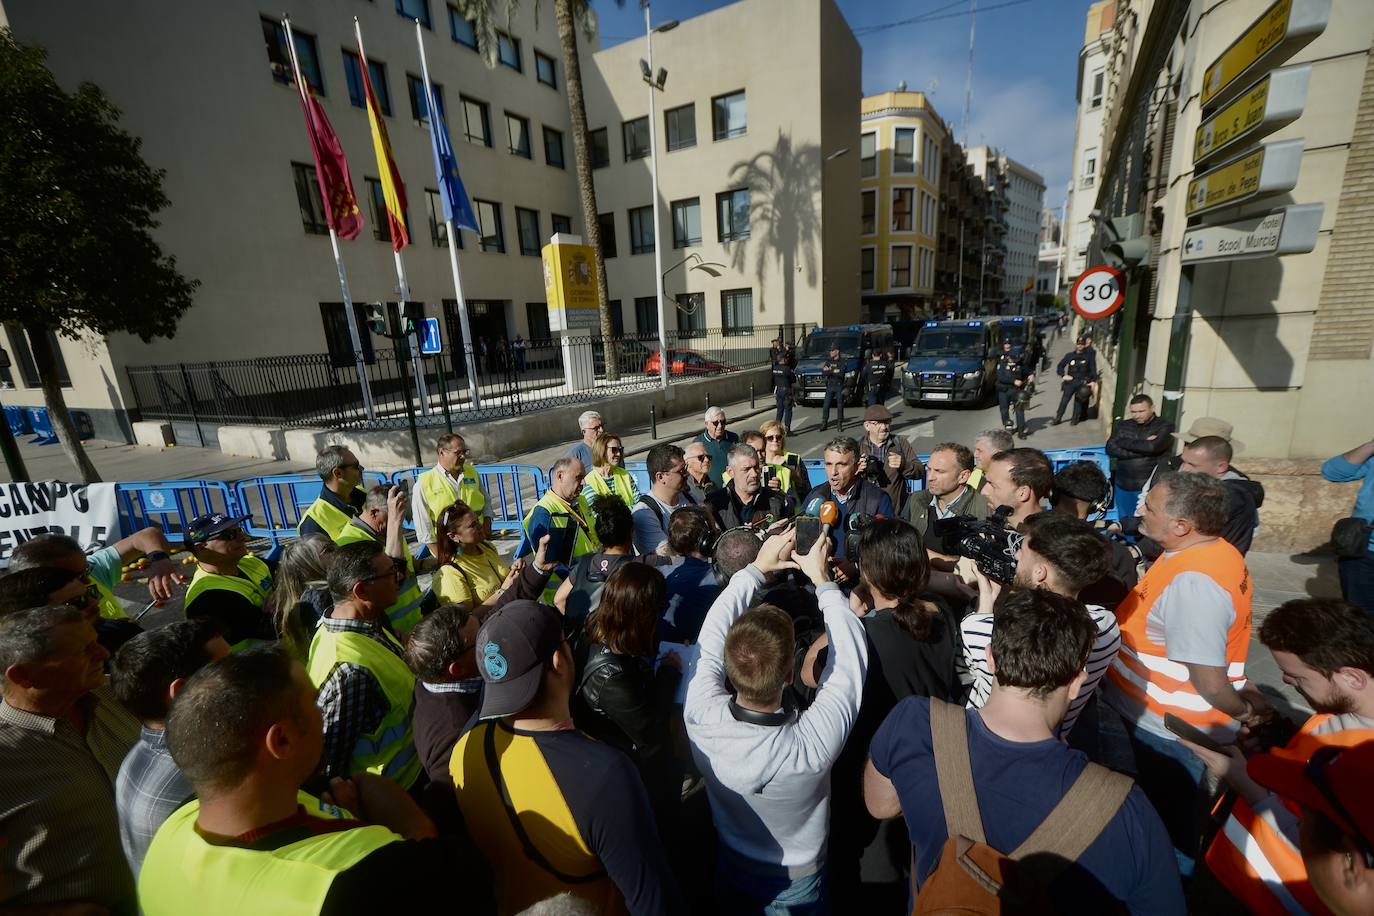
(86, 512)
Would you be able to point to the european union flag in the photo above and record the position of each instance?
(457, 207)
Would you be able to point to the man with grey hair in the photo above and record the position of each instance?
(745, 500)
(562, 513)
(589, 422)
(718, 441)
(1185, 633)
(341, 497)
(63, 736)
(988, 443)
(699, 483)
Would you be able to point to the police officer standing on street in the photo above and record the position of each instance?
(783, 379)
(875, 378)
(1012, 379)
(832, 372)
(1078, 370)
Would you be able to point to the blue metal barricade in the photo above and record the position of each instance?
(172, 504)
(41, 424)
(512, 490)
(639, 470)
(17, 420)
(276, 502)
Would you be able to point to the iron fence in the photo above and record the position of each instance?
(324, 390)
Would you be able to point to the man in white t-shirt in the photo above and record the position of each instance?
(668, 478)
(1060, 554)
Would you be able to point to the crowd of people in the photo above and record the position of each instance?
(925, 685)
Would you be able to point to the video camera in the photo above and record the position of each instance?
(988, 542)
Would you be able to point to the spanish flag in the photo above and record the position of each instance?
(393, 192)
(1030, 285)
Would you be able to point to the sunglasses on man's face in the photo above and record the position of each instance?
(398, 572)
(228, 534)
(87, 598)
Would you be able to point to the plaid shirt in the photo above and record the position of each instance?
(148, 789)
(350, 699)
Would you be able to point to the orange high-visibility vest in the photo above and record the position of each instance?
(1254, 859)
(1143, 674)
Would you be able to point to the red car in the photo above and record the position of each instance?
(686, 362)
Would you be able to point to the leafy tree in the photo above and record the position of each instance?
(77, 206)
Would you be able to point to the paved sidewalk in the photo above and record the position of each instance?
(119, 462)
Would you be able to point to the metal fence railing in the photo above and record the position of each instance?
(322, 389)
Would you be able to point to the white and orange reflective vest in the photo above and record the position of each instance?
(1143, 677)
(1253, 857)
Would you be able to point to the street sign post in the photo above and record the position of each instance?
(430, 342)
(1271, 169)
(1269, 104)
(1290, 230)
(1097, 292)
(1275, 36)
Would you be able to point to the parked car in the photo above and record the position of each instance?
(687, 362)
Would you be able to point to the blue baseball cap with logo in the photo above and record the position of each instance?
(205, 527)
(512, 647)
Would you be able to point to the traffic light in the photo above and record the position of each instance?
(413, 314)
(1124, 242)
(376, 319)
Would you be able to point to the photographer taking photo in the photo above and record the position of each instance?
(886, 460)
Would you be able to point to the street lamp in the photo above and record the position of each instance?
(710, 268)
(655, 83)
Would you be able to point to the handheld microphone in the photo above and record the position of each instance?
(829, 514)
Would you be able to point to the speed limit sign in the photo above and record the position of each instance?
(1097, 293)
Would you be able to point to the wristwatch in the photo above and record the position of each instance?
(156, 556)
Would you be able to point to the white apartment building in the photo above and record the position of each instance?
(1087, 134)
(1023, 193)
(1049, 277)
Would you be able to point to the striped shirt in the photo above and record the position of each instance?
(57, 806)
(351, 700)
(977, 634)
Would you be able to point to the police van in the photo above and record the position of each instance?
(856, 342)
(1018, 329)
(952, 361)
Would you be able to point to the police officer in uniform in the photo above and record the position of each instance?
(1012, 379)
(832, 371)
(875, 378)
(1077, 370)
(783, 380)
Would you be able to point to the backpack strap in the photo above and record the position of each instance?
(1079, 818)
(949, 738)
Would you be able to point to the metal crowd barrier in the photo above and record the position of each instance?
(275, 503)
(512, 490)
(171, 504)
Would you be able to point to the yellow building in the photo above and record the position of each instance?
(901, 136)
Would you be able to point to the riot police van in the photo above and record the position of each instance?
(952, 361)
(856, 343)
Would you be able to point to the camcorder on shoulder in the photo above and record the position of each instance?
(988, 542)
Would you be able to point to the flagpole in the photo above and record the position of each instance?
(421, 388)
(349, 318)
(466, 343)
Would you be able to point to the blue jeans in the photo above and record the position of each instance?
(741, 891)
(1170, 776)
(1357, 581)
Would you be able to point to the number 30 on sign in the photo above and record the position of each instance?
(1097, 293)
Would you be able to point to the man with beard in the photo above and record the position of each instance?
(1325, 649)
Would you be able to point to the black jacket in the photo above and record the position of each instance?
(1243, 499)
(1081, 366)
(783, 377)
(1138, 449)
(1010, 370)
(729, 509)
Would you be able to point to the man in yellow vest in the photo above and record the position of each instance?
(1185, 633)
(366, 690)
(104, 568)
(452, 478)
(1325, 650)
(230, 585)
(245, 732)
(341, 496)
(563, 514)
(382, 522)
(988, 443)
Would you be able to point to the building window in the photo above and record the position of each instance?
(537, 320)
(415, 9)
(337, 338)
(901, 210)
(23, 355)
(561, 223)
(868, 221)
(901, 267)
(601, 148)
(691, 315)
(308, 197)
(1099, 79)
(737, 311)
(868, 155)
(527, 228)
(636, 135)
(376, 71)
(545, 70)
(686, 222)
(508, 51)
(904, 151)
(553, 147)
(868, 258)
(681, 125)
(518, 135)
(617, 318)
(489, 226)
(438, 229)
(728, 116)
(646, 314)
(642, 230)
(419, 104)
(376, 201)
(307, 52)
(1089, 167)
(606, 222)
(476, 121)
(732, 215)
(461, 28)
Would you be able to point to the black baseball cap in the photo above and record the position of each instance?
(204, 527)
(512, 647)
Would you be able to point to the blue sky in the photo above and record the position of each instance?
(1024, 67)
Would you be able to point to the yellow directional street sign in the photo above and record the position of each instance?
(1274, 101)
(1280, 31)
(1271, 169)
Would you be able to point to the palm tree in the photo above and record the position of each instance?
(569, 14)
